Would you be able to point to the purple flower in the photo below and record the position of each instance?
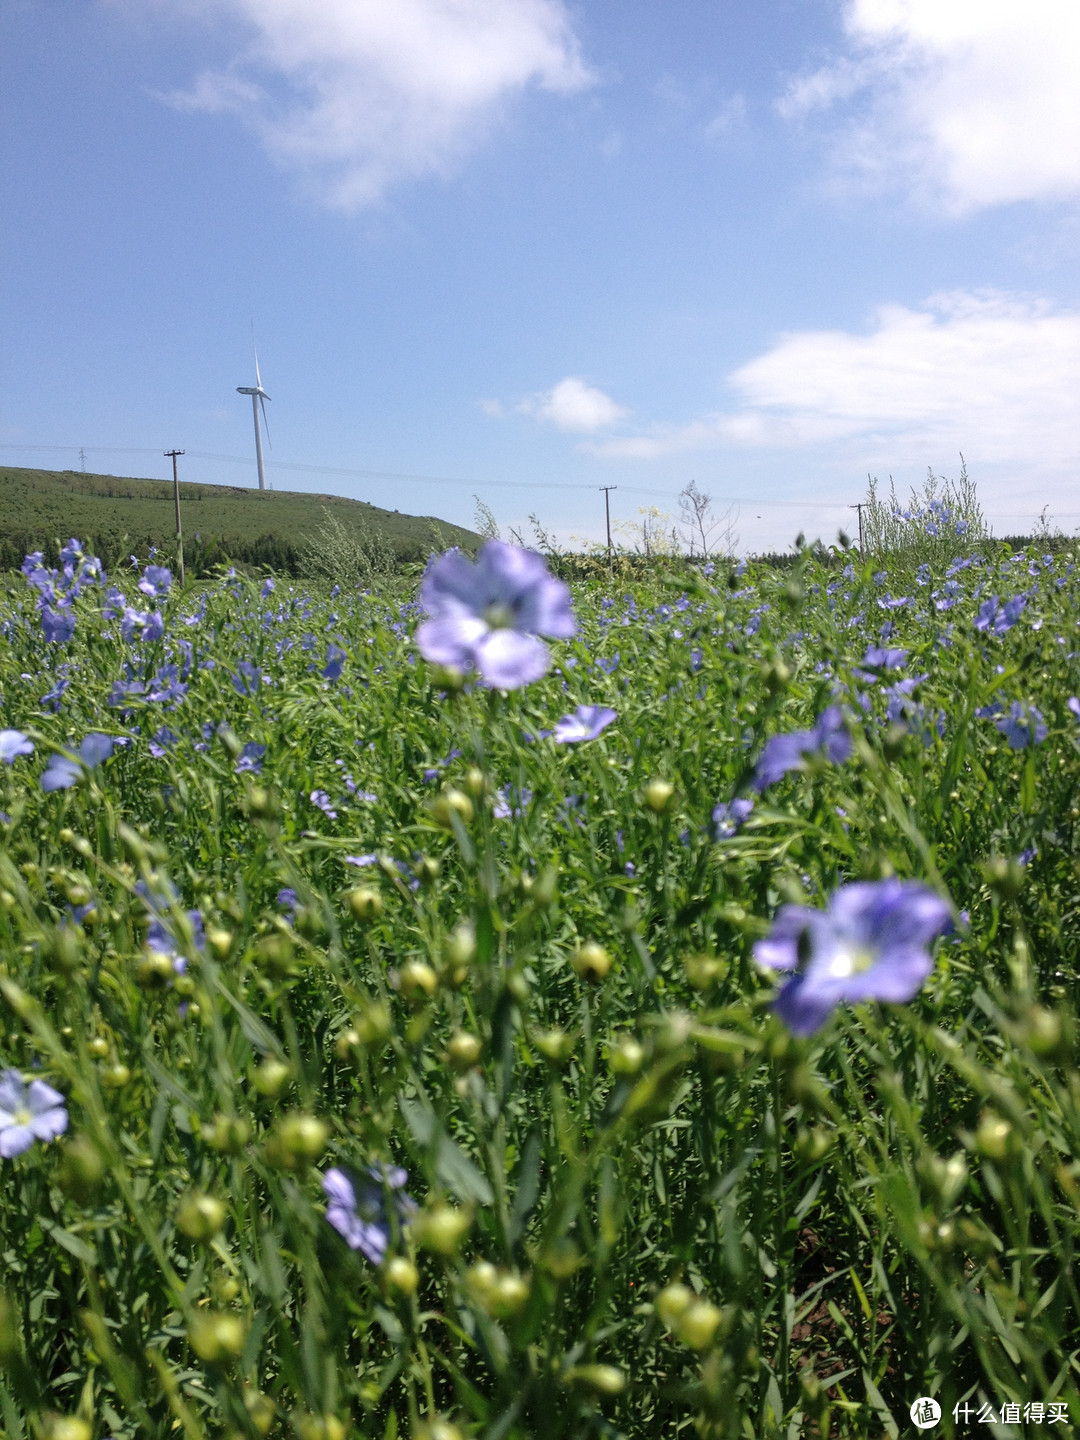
(1022, 726)
(728, 818)
(12, 743)
(268, 588)
(58, 625)
(335, 660)
(251, 758)
(872, 943)
(28, 1113)
(999, 619)
(360, 860)
(321, 800)
(360, 1217)
(1074, 705)
(63, 771)
(782, 753)
(586, 723)
(247, 679)
(488, 616)
(156, 581)
(883, 658)
(163, 741)
(287, 898)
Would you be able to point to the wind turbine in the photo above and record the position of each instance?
(258, 397)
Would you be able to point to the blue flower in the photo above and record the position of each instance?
(58, 625)
(247, 679)
(999, 619)
(489, 616)
(268, 588)
(162, 741)
(884, 659)
(12, 743)
(63, 771)
(335, 660)
(360, 1216)
(156, 581)
(250, 759)
(586, 723)
(728, 818)
(321, 800)
(829, 738)
(1022, 726)
(872, 943)
(28, 1113)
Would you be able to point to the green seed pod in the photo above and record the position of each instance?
(591, 961)
(271, 1077)
(154, 970)
(402, 1275)
(441, 1228)
(217, 1336)
(605, 1379)
(366, 903)
(300, 1139)
(200, 1216)
(418, 980)
(115, 1077)
(464, 1049)
(81, 1168)
(227, 1134)
(658, 794)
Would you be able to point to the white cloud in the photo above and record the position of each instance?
(574, 405)
(973, 102)
(361, 94)
(993, 375)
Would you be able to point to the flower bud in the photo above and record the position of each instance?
(260, 1409)
(541, 889)
(813, 1145)
(555, 1045)
(658, 795)
(995, 1137)
(227, 1134)
(1004, 876)
(451, 802)
(463, 1049)
(606, 1379)
(591, 961)
(298, 1139)
(508, 1295)
(373, 1024)
(366, 903)
(698, 1324)
(475, 781)
(81, 1168)
(226, 1289)
(627, 1056)
(437, 1429)
(402, 1275)
(271, 1077)
(217, 1336)
(427, 869)
(274, 954)
(461, 947)
(115, 1077)
(65, 948)
(200, 1216)
(98, 1047)
(561, 1258)
(220, 941)
(321, 1427)
(673, 1302)
(441, 1228)
(262, 804)
(418, 980)
(704, 970)
(154, 970)
(945, 1178)
(67, 1427)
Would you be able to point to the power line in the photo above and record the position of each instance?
(490, 484)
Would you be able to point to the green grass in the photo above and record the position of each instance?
(888, 1209)
(39, 508)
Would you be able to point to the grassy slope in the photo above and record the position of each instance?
(40, 506)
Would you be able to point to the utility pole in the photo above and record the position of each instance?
(172, 454)
(607, 512)
(82, 457)
(859, 508)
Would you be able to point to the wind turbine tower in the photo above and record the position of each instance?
(258, 397)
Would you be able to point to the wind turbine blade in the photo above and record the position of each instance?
(262, 401)
(258, 378)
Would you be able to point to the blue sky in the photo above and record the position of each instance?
(529, 248)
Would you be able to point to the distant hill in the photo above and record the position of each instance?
(221, 523)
